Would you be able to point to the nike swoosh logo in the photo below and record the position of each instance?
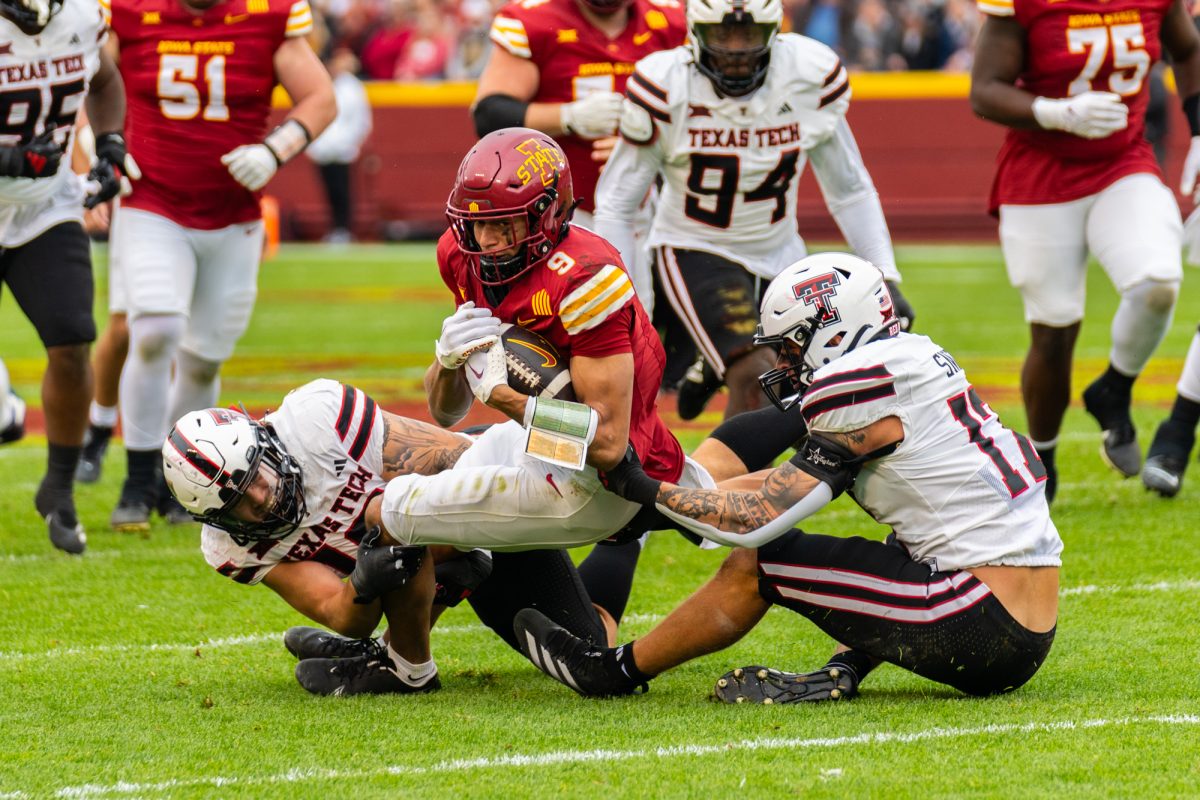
(641, 38)
(230, 19)
(524, 322)
(477, 373)
(553, 485)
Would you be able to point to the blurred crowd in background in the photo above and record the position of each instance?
(431, 40)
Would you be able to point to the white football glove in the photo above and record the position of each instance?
(251, 165)
(466, 330)
(1092, 115)
(1191, 169)
(486, 370)
(593, 117)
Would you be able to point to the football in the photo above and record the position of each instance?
(534, 365)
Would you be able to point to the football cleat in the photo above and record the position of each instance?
(1120, 449)
(61, 523)
(573, 662)
(305, 642)
(696, 389)
(767, 686)
(373, 674)
(91, 460)
(132, 514)
(16, 415)
(1167, 458)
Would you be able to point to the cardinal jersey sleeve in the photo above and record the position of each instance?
(594, 305)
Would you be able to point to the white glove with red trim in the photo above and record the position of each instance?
(1091, 115)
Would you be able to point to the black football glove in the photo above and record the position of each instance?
(382, 568)
(459, 577)
(901, 307)
(113, 165)
(627, 479)
(37, 158)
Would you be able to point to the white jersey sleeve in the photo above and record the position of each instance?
(961, 490)
(335, 432)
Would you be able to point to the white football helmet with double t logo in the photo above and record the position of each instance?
(817, 310)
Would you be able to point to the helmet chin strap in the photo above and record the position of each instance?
(498, 269)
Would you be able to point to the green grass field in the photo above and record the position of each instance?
(137, 671)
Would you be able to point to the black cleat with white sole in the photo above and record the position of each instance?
(305, 642)
(766, 686)
(1111, 409)
(1167, 459)
(57, 508)
(696, 389)
(575, 663)
(91, 459)
(373, 674)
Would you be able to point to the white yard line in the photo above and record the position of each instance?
(298, 776)
(455, 630)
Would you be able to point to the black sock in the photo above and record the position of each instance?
(55, 491)
(607, 574)
(620, 661)
(860, 664)
(1123, 384)
(143, 468)
(1047, 456)
(1186, 412)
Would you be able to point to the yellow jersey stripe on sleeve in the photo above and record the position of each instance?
(510, 34)
(300, 19)
(997, 8)
(607, 292)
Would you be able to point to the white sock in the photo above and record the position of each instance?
(102, 416)
(412, 674)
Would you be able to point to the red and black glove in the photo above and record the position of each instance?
(37, 158)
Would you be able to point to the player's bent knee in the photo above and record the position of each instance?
(1158, 296)
(156, 335)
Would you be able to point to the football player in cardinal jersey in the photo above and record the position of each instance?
(51, 58)
(965, 590)
(187, 242)
(512, 255)
(729, 122)
(1076, 176)
(289, 501)
(560, 66)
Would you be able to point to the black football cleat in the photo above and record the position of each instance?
(15, 429)
(1167, 458)
(1111, 409)
(342, 677)
(305, 642)
(696, 389)
(91, 459)
(132, 514)
(57, 508)
(573, 662)
(767, 686)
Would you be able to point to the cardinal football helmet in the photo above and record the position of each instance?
(510, 173)
(817, 310)
(31, 16)
(212, 457)
(714, 26)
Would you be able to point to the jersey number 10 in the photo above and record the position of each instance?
(179, 94)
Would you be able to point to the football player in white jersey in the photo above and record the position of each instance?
(289, 501)
(729, 121)
(50, 60)
(964, 592)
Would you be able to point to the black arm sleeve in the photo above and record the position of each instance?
(498, 111)
(761, 436)
(827, 461)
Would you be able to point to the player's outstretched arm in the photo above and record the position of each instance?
(318, 593)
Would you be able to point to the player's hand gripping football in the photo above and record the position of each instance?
(111, 171)
(592, 117)
(629, 480)
(1092, 115)
(37, 158)
(380, 569)
(465, 331)
(486, 369)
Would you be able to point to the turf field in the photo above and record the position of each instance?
(136, 671)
